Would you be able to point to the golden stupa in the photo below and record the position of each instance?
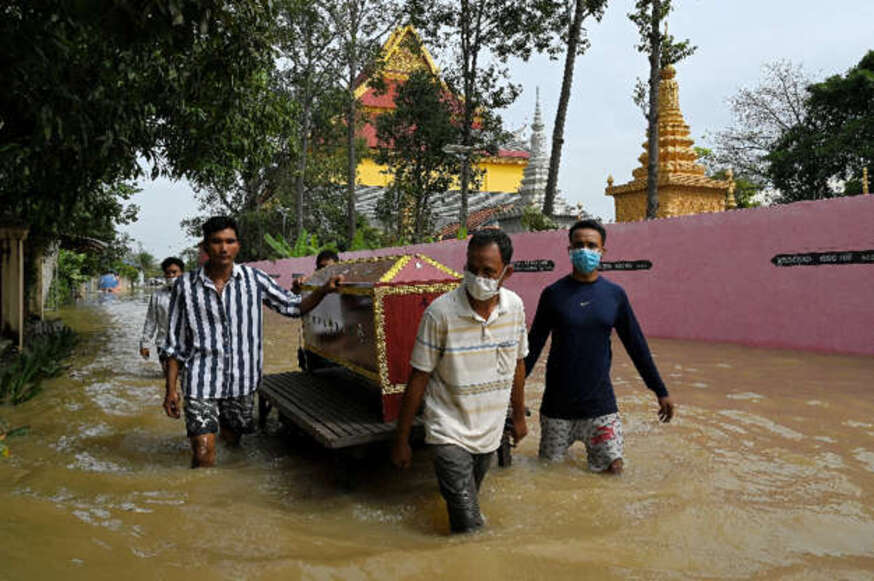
(683, 186)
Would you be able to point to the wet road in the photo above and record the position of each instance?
(767, 472)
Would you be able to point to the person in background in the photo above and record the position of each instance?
(580, 311)
(324, 258)
(468, 366)
(157, 315)
(108, 282)
(216, 333)
(311, 360)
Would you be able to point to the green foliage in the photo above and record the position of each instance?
(746, 188)
(366, 237)
(189, 256)
(280, 246)
(482, 36)
(145, 262)
(823, 156)
(68, 277)
(7, 433)
(306, 245)
(411, 140)
(649, 26)
(91, 88)
(21, 379)
(534, 220)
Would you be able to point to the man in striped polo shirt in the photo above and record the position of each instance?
(215, 334)
(468, 365)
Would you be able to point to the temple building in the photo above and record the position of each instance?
(402, 54)
(683, 186)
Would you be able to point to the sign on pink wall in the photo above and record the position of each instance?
(798, 276)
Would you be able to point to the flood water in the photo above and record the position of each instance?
(766, 472)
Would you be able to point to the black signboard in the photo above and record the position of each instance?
(541, 265)
(626, 265)
(824, 258)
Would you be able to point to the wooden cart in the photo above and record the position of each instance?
(356, 353)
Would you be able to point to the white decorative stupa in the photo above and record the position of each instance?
(536, 172)
(532, 190)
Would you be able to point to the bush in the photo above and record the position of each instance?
(21, 377)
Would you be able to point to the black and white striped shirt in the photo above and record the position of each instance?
(216, 337)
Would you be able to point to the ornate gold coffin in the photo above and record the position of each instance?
(369, 326)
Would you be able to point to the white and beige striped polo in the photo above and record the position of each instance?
(472, 362)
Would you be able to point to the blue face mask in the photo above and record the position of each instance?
(585, 260)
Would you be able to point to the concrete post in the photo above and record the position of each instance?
(12, 283)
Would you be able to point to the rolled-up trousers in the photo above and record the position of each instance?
(459, 474)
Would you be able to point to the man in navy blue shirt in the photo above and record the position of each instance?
(580, 311)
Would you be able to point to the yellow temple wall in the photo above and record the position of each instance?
(502, 177)
(499, 177)
(370, 174)
(672, 202)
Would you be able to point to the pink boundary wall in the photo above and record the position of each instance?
(712, 278)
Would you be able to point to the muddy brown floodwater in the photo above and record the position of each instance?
(767, 472)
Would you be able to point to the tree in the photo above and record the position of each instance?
(144, 261)
(309, 52)
(823, 156)
(483, 35)
(360, 25)
(93, 87)
(745, 190)
(762, 115)
(412, 139)
(571, 33)
(662, 51)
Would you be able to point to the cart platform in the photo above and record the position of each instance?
(329, 406)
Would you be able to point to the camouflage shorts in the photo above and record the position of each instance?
(602, 437)
(204, 416)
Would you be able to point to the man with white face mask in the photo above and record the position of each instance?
(468, 364)
(157, 316)
(580, 311)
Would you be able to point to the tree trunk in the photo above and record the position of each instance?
(561, 112)
(350, 159)
(302, 164)
(467, 55)
(652, 169)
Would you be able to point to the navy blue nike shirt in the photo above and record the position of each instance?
(580, 316)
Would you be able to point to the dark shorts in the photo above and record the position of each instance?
(459, 474)
(205, 416)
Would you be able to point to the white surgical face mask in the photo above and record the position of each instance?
(480, 287)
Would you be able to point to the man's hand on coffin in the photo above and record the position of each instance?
(333, 283)
(310, 301)
(297, 284)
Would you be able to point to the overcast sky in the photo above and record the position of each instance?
(605, 130)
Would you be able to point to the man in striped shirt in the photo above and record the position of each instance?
(215, 334)
(468, 366)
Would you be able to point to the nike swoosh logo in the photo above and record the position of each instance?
(585, 303)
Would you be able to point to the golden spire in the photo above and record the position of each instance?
(676, 155)
(683, 185)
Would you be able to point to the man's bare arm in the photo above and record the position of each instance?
(517, 402)
(401, 453)
(171, 396)
(310, 301)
